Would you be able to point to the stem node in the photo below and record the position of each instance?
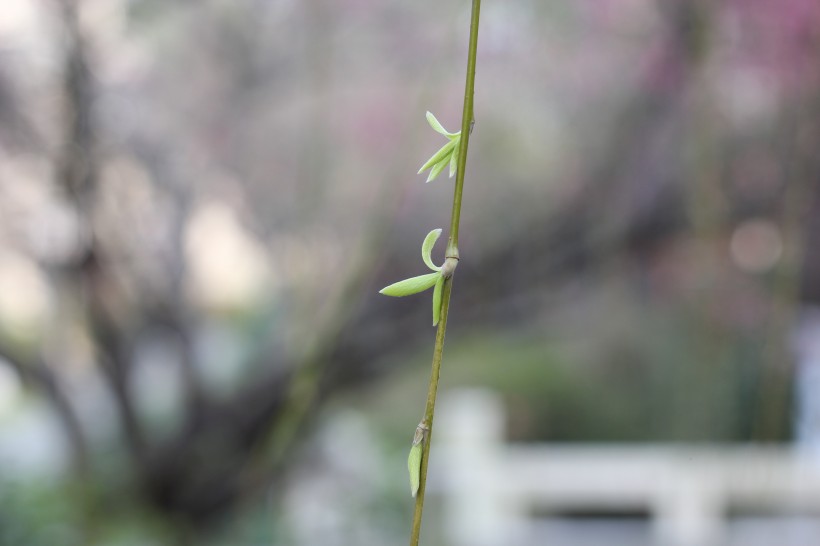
(449, 267)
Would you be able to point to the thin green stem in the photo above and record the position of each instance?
(430, 408)
(467, 120)
(449, 267)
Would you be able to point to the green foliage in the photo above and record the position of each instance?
(437, 300)
(410, 286)
(414, 285)
(33, 515)
(447, 154)
(56, 512)
(427, 249)
(630, 380)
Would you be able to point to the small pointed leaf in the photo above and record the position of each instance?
(437, 127)
(437, 300)
(454, 161)
(410, 286)
(438, 156)
(427, 249)
(437, 168)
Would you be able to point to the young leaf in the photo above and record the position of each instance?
(413, 285)
(437, 127)
(454, 159)
(436, 170)
(427, 248)
(438, 156)
(437, 300)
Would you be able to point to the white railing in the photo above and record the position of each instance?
(491, 488)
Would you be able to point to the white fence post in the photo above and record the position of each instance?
(471, 427)
(688, 510)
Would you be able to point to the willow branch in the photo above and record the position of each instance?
(452, 257)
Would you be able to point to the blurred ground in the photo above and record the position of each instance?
(200, 200)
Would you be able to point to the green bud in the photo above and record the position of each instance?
(414, 461)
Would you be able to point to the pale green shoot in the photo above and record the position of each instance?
(446, 155)
(414, 285)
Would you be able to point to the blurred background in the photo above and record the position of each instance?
(200, 200)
